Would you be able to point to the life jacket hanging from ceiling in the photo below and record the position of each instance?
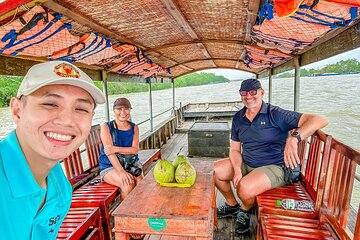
(124, 50)
(326, 14)
(309, 22)
(132, 66)
(155, 69)
(258, 57)
(36, 33)
(91, 49)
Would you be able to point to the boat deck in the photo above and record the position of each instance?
(178, 144)
(211, 110)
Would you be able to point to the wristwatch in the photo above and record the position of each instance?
(296, 135)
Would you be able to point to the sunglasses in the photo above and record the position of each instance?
(251, 92)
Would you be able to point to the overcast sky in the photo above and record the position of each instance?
(235, 74)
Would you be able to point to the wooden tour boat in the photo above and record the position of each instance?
(157, 41)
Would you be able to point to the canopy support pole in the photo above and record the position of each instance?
(296, 83)
(150, 105)
(270, 85)
(173, 94)
(105, 90)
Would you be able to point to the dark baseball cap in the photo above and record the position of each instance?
(250, 84)
(122, 102)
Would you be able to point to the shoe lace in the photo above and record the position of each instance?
(223, 208)
(242, 218)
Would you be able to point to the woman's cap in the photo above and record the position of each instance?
(58, 72)
(122, 102)
(250, 84)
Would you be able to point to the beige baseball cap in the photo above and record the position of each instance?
(58, 72)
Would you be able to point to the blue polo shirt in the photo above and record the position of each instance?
(263, 139)
(21, 195)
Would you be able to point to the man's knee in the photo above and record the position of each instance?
(246, 191)
(223, 170)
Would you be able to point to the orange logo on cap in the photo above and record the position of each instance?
(66, 70)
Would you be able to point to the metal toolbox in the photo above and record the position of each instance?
(209, 139)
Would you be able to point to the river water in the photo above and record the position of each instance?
(335, 97)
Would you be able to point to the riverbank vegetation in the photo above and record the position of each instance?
(344, 67)
(10, 84)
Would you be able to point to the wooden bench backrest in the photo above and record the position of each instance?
(315, 165)
(93, 146)
(338, 189)
(73, 165)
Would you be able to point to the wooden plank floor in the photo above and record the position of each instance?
(178, 144)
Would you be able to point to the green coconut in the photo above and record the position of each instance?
(185, 173)
(179, 159)
(164, 171)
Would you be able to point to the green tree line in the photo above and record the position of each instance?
(10, 84)
(344, 66)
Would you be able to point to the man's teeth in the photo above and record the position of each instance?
(59, 137)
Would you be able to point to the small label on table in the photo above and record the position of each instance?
(157, 223)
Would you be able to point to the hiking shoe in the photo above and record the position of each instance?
(242, 223)
(227, 211)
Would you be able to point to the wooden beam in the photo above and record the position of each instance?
(200, 69)
(179, 18)
(241, 58)
(11, 66)
(343, 42)
(184, 24)
(77, 17)
(203, 60)
(251, 18)
(170, 45)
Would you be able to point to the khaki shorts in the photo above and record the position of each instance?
(274, 172)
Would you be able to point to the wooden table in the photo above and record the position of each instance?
(186, 212)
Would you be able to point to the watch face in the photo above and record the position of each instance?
(296, 135)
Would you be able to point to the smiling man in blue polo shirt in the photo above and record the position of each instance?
(260, 144)
(53, 111)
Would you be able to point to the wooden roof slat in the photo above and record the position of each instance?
(180, 19)
(85, 21)
(202, 60)
(203, 41)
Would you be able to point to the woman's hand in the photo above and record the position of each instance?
(126, 178)
(109, 149)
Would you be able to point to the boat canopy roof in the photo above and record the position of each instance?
(134, 40)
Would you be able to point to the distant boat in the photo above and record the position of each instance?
(331, 74)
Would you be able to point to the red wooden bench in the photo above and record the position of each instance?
(96, 193)
(334, 206)
(106, 196)
(81, 222)
(314, 156)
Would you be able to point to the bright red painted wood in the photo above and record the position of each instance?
(78, 221)
(313, 180)
(332, 221)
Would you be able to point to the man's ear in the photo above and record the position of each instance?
(15, 107)
(262, 92)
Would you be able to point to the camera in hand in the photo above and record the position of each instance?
(128, 162)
